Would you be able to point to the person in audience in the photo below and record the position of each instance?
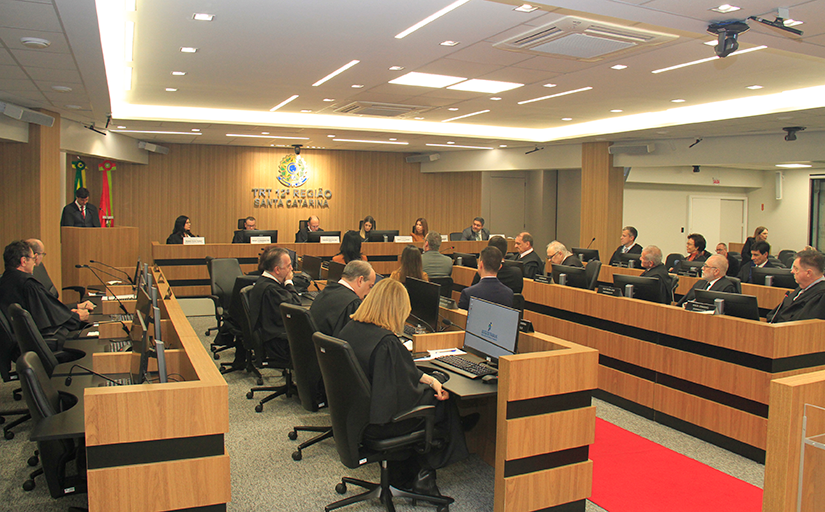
(760, 234)
(489, 287)
(367, 227)
(249, 224)
(652, 263)
(695, 247)
(807, 301)
(272, 289)
(557, 254)
(510, 276)
(313, 224)
(80, 213)
(533, 263)
(713, 278)
(759, 259)
(433, 263)
(477, 231)
(410, 265)
(733, 263)
(420, 230)
(350, 248)
(629, 245)
(332, 308)
(181, 230)
(398, 385)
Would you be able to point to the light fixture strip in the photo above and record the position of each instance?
(457, 146)
(372, 141)
(466, 115)
(129, 41)
(431, 18)
(281, 104)
(555, 95)
(336, 72)
(701, 61)
(156, 132)
(265, 136)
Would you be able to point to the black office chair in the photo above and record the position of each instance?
(56, 454)
(455, 236)
(300, 328)
(446, 284)
(348, 392)
(257, 353)
(671, 260)
(42, 275)
(518, 302)
(30, 340)
(776, 262)
(9, 351)
(674, 283)
(222, 275)
(591, 273)
(302, 226)
(787, 256)
(737, 283)
(242, 223)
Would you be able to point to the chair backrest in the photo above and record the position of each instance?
(518, 302)
(250, 338)
(674, 283)
(42, 275)
(446, 284)
(776, 262)
(672, 258)
(42, 398)
(348, 394)
(455, 236)
(305, 370)
(591, 273)
(9, 350)
(222, 275)
(786, 256)
(737, 283)
(29, 338)
(242, 223)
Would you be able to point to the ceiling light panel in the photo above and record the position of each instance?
(555, 95)
(466, 115)
(458, 146)
(427, 80)
(264, 136)
(203, 17)
(431, 18)
(336, 72)
(485, 86)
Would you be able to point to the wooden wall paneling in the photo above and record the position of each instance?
(544, 489)
(602, 197)
(630, 387)
(545, 433)
(17, 194)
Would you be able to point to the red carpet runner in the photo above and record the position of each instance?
(632, 474)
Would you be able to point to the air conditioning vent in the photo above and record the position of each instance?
(366, 108)
(582, 39)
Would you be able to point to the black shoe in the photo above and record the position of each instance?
(424, 483)
(469, 422)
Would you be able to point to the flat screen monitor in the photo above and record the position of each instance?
(312, 266)
(575, 276)
(139, 364)
(740, 306)
(492, 329)
(690, 268)
(467, 260)
(517, 264)
(143, 302)
(315, 236)
(625, 260)
(425, 301)
(377, 235)
(585, 254)
(160, 347)
(644, 288)
(247, 234)
(137, 273)
(782, 277)
(335, 271)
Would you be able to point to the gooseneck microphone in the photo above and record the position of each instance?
(591, 243)
(122, 307)
(425, 323)
(131, 281)
(449, 323)
(69, 378)
(107, 273)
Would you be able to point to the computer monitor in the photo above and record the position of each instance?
(782, 277)
(143, 302)
(585, 254)
(425, 301)
(137, 273)
(467, 260)
(690, 268)
(160, 347)
(335, 271)
(312, 266)
(139, 363)
(741, 306)
(644, 288)
(247, 234)
(517, 264)
(627, 257)
(491, 330)
(315, 236)
(575, 275)
(377, 235)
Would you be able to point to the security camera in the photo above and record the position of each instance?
(792, 132)
(297, 148)
(696, 168)
(727, 33)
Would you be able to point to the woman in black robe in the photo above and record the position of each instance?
(181, 231)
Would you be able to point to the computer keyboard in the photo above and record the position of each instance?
(409, 331)
(479, 370)
(122, 318)
(118, 346)
(117, 382)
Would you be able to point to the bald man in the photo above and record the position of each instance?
(713, 278)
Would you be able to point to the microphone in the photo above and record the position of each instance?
(69, 378)
(107, 273)
(779, 308)
(449, 323)
(591, 243)
(425, 323)
(115, 268)
(122, 307)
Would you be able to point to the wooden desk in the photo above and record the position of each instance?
(116, 246)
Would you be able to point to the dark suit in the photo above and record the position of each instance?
(237, 237)
(488, 288)
(332, 308)
(265, 314)
(177, 238)
(48, 313)
(660, 272)
(811, 304)
(533, 264)
(746, 273)
(634, 249)
(722, 285)
(468, 234)
(509, 276)
(72, 217)
(572, 261)
(733, 266)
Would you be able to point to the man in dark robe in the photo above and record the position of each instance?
(713, 278)
(533, 263)
(652, 263)
(249, 224)
(808, 300)
(332, 308)
(273, 288)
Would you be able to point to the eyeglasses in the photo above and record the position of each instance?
(708, 266)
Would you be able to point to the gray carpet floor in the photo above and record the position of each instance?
(264, 476)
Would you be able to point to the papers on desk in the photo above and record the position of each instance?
(128, 296)
(432, 354)
(111, 283)
(93, 333)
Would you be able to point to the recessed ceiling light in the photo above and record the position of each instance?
(450, 142)
(329, 100)
(121, 127)
(457, 146)
(449, 43)
(396, 68)
(35, 43)
(264, 133)
(754, 87)
(73, 107)
(156, 132)
(331, 136)
(393, 138)
(178, 73)
(61, 88)
(419, 118)
(525, 8)
(188, 49)
(193, 129)
(678, 100)
(712, 42)
(431, 18)
(617, 110)
(700, 61)
(566, 118)
(452, 109)
(663, 132)
(171, 89)
(794, 166)
(306, 110)
(725, 8)
(372, 141)
(203, 17)
(495, 98)
(250, 136)
(792, 23)
(281, 104)
(485, 86)
(549, 85)
(357, 86)
(336, 72)
(502, 145)
(466, 115)
(555, 95)
(618, 66)
(426, 80)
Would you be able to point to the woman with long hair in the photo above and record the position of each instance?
(350, 248)
(420, 229)
(181, 230)
(411, 265)
(367, 226)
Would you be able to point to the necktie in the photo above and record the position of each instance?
(83, 213)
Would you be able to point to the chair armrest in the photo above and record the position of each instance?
(79, 289)
(65, 425)
(422, 411)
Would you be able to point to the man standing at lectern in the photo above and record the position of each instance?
(80, 213)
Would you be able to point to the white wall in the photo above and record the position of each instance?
(786, 219)
(12, 130)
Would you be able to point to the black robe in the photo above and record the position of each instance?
(660, 272)
(810, 304)
(332, 308)
(265, 314)
(533, 264)
(509, 276)
(48, 313)
(723, 284)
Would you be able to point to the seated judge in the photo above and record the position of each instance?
(476, 232)
(629, 245)
(807, 301)
(80, 213)
(249, 224)
(420, 230)
(18, 285)
(41, 274)
(181, 230)
(273, 288)
(760, 234)
(713, 278)
(367, 226)
(398, 385)
(733, 263)
(557, 254)
(332, 308)
(533, 263)
(410, 266)
(433, 262)
(488, 287)
(510, 276)
(313, 224)
(652, 263)
(759, 259)
(350, 248)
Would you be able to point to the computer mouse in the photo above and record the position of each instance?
(490, 379)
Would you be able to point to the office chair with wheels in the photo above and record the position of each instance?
(42, 275)
(591, 273)
(455, 236)
(446, 284)
(737, 283)
(257, 353)
(348, 392)
(776, 262)
(299, 328)
(9, 351)
(518, 302)
(222, 275)
(30, 340)
(302, 226)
